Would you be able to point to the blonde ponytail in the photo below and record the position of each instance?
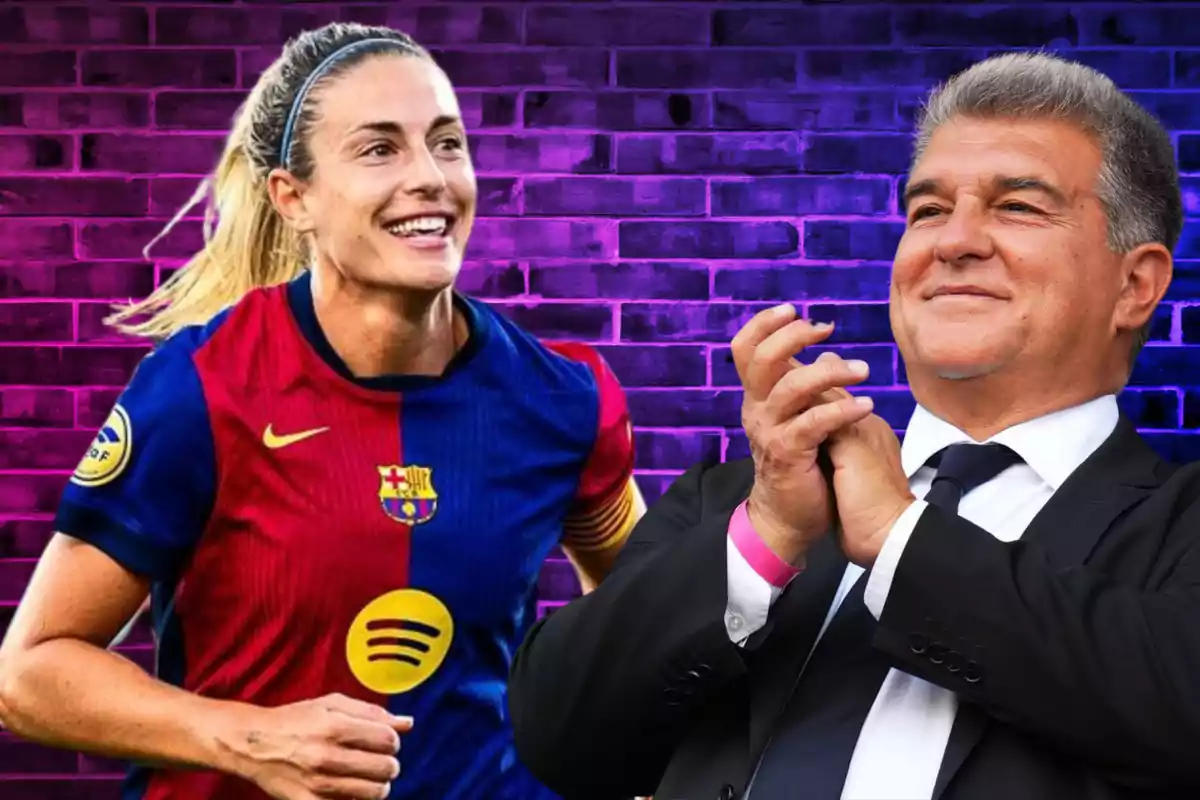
(250, 247)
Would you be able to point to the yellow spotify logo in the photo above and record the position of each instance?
(399, 640)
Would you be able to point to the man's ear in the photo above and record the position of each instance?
(1146, 275)
(287, 194)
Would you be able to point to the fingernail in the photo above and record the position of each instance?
(822, 326)
(864, 402)
(781, 310)
(858, 367)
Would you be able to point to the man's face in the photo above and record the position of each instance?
(1004, 261)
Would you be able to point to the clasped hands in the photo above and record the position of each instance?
(820, 455)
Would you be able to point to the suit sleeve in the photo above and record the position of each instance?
(144, 490)
(607, 503)
(1099, 669)
(602, 689)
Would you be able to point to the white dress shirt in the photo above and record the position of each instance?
(903, 739)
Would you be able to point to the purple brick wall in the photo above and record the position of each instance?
(651, 175)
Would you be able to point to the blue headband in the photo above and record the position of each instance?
(285, 144)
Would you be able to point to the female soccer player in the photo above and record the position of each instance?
(336, 477)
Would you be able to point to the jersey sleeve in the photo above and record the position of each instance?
(145, 489)
(607, 502)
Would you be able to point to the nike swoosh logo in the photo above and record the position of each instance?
(274, 442)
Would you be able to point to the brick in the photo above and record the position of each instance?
(28, 494)
(24, 538)
(594, 25)
(882, 153)
(525, 69)
(1187, 70)
(1190, 190)
(854, 322)
(1138, 26)
(802, 26)
(670, 280)
(1191, 408)
(196, 111)
(92, 328)
(656, 365)
(487, 109)
(1176, 447)
(491, 279)
(892, 68)
(1129, 69)
(26, 153)
(805, 110)
(12, 110)
(675, 450)
(60, 789)
(1164, 365)
(851, 241)
(445, 23)
(787, 196)
(94, 405)
(737, 446)
(37, 322)
(708, 239)
(76, 110)
(516, 238)
(660, 197)
(711, 154)
(1189, 323)
(802, 282)
(880, 358)
(69, 366)
(43, 449)
(547, 152)
(1177, 109)
(34, 758)
(150, 153)
(71, 196)
(1151, 408)
(655, 486)
(1188, 152)
(169, 195)
(679, 408)
(1014, 27)
(1189, 243)
(127, 239)
(235, 26)
(684, 322)
(75, 279)
(29, 239)
(581, 321)
(1160, 324)
(698, 69)
(57, 24)
(36, 408)
(617, 111)
(557, 580)
(499, 196)
(160, 68)
(1185, 282)
(46, 68)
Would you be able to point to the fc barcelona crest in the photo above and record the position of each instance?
(406, 493)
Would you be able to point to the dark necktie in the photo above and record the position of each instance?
(814, 739)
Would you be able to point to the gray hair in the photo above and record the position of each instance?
(1138, 180)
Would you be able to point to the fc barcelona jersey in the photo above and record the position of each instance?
(307, 532)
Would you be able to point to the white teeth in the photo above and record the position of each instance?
(434, 226)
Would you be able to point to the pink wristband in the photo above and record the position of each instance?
(770, 567)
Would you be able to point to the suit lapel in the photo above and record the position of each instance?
(795, 620)
(1121, 473)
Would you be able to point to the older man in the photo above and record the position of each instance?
(1009, 605)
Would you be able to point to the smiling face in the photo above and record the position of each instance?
(392, 197)
(1004, 260)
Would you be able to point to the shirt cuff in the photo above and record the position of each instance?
(750, 593)
(879, 582)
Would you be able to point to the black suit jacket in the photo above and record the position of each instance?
(1075, 651)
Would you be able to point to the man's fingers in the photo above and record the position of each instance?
(810, 429)
(347, 763)
(335, 788)
(760, 326)
(368, 711)
(798, 389)
(771, 359)
(367, 735)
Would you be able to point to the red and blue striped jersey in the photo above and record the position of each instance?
(307, 532)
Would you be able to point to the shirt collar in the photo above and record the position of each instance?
(1053, 445)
